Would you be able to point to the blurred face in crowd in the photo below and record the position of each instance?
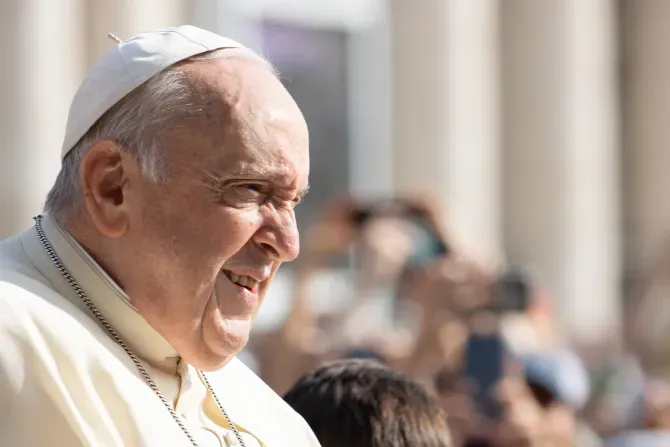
(197, 252)
(386, 243)
(559, 421)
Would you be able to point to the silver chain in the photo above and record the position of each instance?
(115, 336)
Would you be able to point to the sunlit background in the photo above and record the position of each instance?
(541, 128)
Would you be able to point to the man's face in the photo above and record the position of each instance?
(207, 242)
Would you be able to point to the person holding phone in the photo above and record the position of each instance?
(376, 243)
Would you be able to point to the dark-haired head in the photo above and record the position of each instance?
(362, 403)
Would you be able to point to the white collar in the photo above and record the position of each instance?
(107, 296)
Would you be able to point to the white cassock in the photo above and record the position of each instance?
(65, 382)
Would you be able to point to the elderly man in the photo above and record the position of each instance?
(122, 309)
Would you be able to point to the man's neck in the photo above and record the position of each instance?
(94, 244)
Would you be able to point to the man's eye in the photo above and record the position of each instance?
(250, 188)
(248, 191)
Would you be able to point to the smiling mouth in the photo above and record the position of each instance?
(241, 280)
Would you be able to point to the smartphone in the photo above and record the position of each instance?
(484, 363)
(515, 289)
(428, 246)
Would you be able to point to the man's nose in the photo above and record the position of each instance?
(278, 236)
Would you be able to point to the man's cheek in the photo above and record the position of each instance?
(266, 284)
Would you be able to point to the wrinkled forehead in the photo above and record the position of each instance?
(239, 92)
(248, 122)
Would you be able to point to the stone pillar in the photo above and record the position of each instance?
(43, 62)
(445, 112)
(370, 102)
(646, 131)
(561, 156)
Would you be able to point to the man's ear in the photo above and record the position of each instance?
(103, 174)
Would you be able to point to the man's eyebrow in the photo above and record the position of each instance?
(217, 177)
(253, 171)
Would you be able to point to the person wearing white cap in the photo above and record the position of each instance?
(122, 309)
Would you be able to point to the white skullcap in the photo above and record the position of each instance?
(128, 65)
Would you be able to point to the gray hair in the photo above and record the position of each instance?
(137, 122)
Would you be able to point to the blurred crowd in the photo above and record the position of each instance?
(481, 341)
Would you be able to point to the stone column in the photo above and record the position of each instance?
(43, 63)
(445, 112)
(561, 156)
(646, 131)
(370, 109)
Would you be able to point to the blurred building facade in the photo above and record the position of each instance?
(539, 127)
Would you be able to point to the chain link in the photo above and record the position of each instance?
(115, 336)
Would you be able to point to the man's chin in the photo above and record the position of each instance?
(209, 360)
(222, 344)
